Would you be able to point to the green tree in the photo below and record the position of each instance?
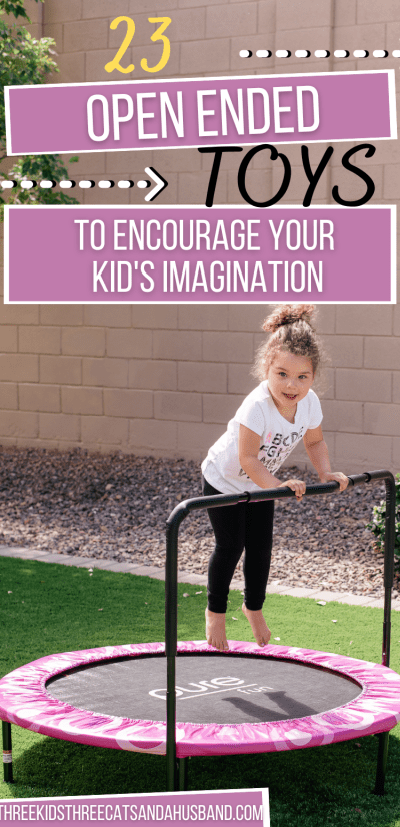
(25, 60)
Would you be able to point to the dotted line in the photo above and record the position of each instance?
(320, 53)
(85, 185)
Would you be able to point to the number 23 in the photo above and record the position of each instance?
(157, 35)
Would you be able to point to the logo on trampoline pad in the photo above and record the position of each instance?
(211, 687)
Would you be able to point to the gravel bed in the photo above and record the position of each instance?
(114, 506)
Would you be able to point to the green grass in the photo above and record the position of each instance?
(55, 608)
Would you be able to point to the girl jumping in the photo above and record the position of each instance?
(270, 422)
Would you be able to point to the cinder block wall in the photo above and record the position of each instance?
(164, 380)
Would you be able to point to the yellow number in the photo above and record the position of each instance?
(158, 35)
(115, 63)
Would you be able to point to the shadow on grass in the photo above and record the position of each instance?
(310, 787)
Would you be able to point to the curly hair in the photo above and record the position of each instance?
(291, 330)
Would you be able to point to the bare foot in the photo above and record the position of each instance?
(259, 627)
(215, 630)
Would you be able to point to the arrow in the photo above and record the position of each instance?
(161, 183)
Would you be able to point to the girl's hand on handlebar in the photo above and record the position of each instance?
(298, 486)
(337, 476)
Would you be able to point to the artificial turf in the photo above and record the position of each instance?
(52, 608)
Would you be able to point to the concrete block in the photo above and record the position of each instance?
(108, 373)
(89, 164)
(193, 579)
(60, 370)
(103, 8)
(276, 588)
(353, 600)
(365, 452)
(87, 562)
(343, 416)
(85, 35)
(385, 11)
(61, 314)
(58, 11)
(396, 320)
(240, 380)
(124, 164)
(266, 21)
(344, 351)
(82, 400)
(146, 571)
(18, 424)
(187, 24)
(382, 353)
(193, 187)
(178, 406)
(247, 317)
(105, 430)
(155, 316)
(299, 591)
(18, 367)
(227, 347)
(186, 160)
(9, 395)
(38, 397)
(153, 375)
(67, 560)
(366, 35)
(203, 317)
(230, 20)
(391, 181)
(129, 343)
(108, 565)
(298, 13)
(328, 596)
(107, 315)
(59, 426)
(83, 341)
(176, 344)
(198, 56)
(345, 12)
(33, 339)
(19, 314)
(128, 403)
(382, 419)
(152, 434)
(220, 407)
(194, 439)
(375, 603)
(364, 385)
(72, 70)
(203, 376)
(9, 339)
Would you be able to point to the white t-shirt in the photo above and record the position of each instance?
(278, 438)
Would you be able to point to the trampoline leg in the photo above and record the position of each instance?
(182, 773)
(7, 754)
(383, 747)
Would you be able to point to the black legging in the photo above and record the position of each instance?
(236, 527)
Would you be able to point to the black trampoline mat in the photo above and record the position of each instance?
(210, 689)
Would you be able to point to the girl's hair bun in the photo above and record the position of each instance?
(285, 314)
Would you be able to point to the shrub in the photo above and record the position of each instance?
(24, 61)
(377, 525)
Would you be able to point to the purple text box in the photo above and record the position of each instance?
(223, 808)
(98, 254)
(88, 117)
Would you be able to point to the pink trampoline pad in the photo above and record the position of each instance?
(28, 698)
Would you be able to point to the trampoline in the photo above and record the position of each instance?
(186, 699)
